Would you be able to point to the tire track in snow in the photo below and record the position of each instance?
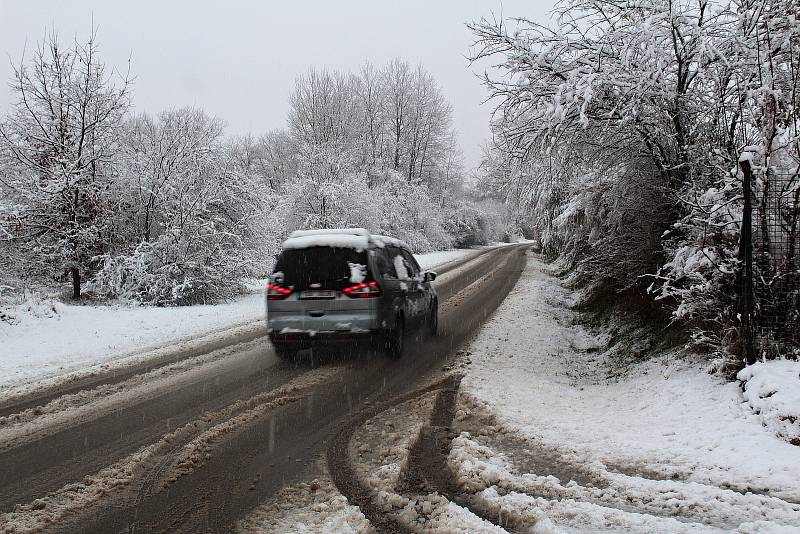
(514, 475)
(153, 468)
(426, 470)
(341, 467)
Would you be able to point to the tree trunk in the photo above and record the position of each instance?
(76, 283)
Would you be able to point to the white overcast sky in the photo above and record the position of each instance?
(238, 60)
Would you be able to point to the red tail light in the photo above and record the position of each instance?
(277, 292)
(363, 290)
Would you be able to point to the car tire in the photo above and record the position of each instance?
(395, 338)
(433, 319)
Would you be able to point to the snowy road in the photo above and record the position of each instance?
(538, 428)
(196, 440)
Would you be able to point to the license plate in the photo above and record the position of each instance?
(318, 294)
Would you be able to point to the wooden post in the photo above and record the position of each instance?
(746, 257)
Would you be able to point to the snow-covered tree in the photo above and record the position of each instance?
(275, 159)
(167, 210)
(353, 136)
(183, 211)
(58, 142)
(372, 124)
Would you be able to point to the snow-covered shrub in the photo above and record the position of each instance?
(467, 225)
(698, 278)
(499, 223)
(607, 94)
(186, 214)
(407, 211)
(627, 214)
(570, 231)
(329, 191)
(171, 271)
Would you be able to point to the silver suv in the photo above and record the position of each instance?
(345, 285)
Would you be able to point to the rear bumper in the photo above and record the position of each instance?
(300, 340)
(333, 320)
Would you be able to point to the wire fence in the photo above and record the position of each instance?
(770, 293)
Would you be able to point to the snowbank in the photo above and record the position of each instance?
(660, 440)
(434, 259)
(39, 345)
(772, 391)
(314, 507)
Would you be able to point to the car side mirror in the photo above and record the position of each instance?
(429, 276)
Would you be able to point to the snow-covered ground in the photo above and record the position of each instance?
(550, 436)
(66, 337)
(668, 448)
(48, 338)
(772, 391)
(313, 507)
(433, 259)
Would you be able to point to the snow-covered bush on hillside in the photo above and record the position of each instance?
(699, 274)
(617, 129)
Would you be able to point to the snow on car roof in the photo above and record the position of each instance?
(382, 241)
(345, 231)
(356, 238)
(357, 242)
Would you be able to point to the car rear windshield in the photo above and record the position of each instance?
(330, 267)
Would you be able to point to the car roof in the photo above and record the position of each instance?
(355, 238)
